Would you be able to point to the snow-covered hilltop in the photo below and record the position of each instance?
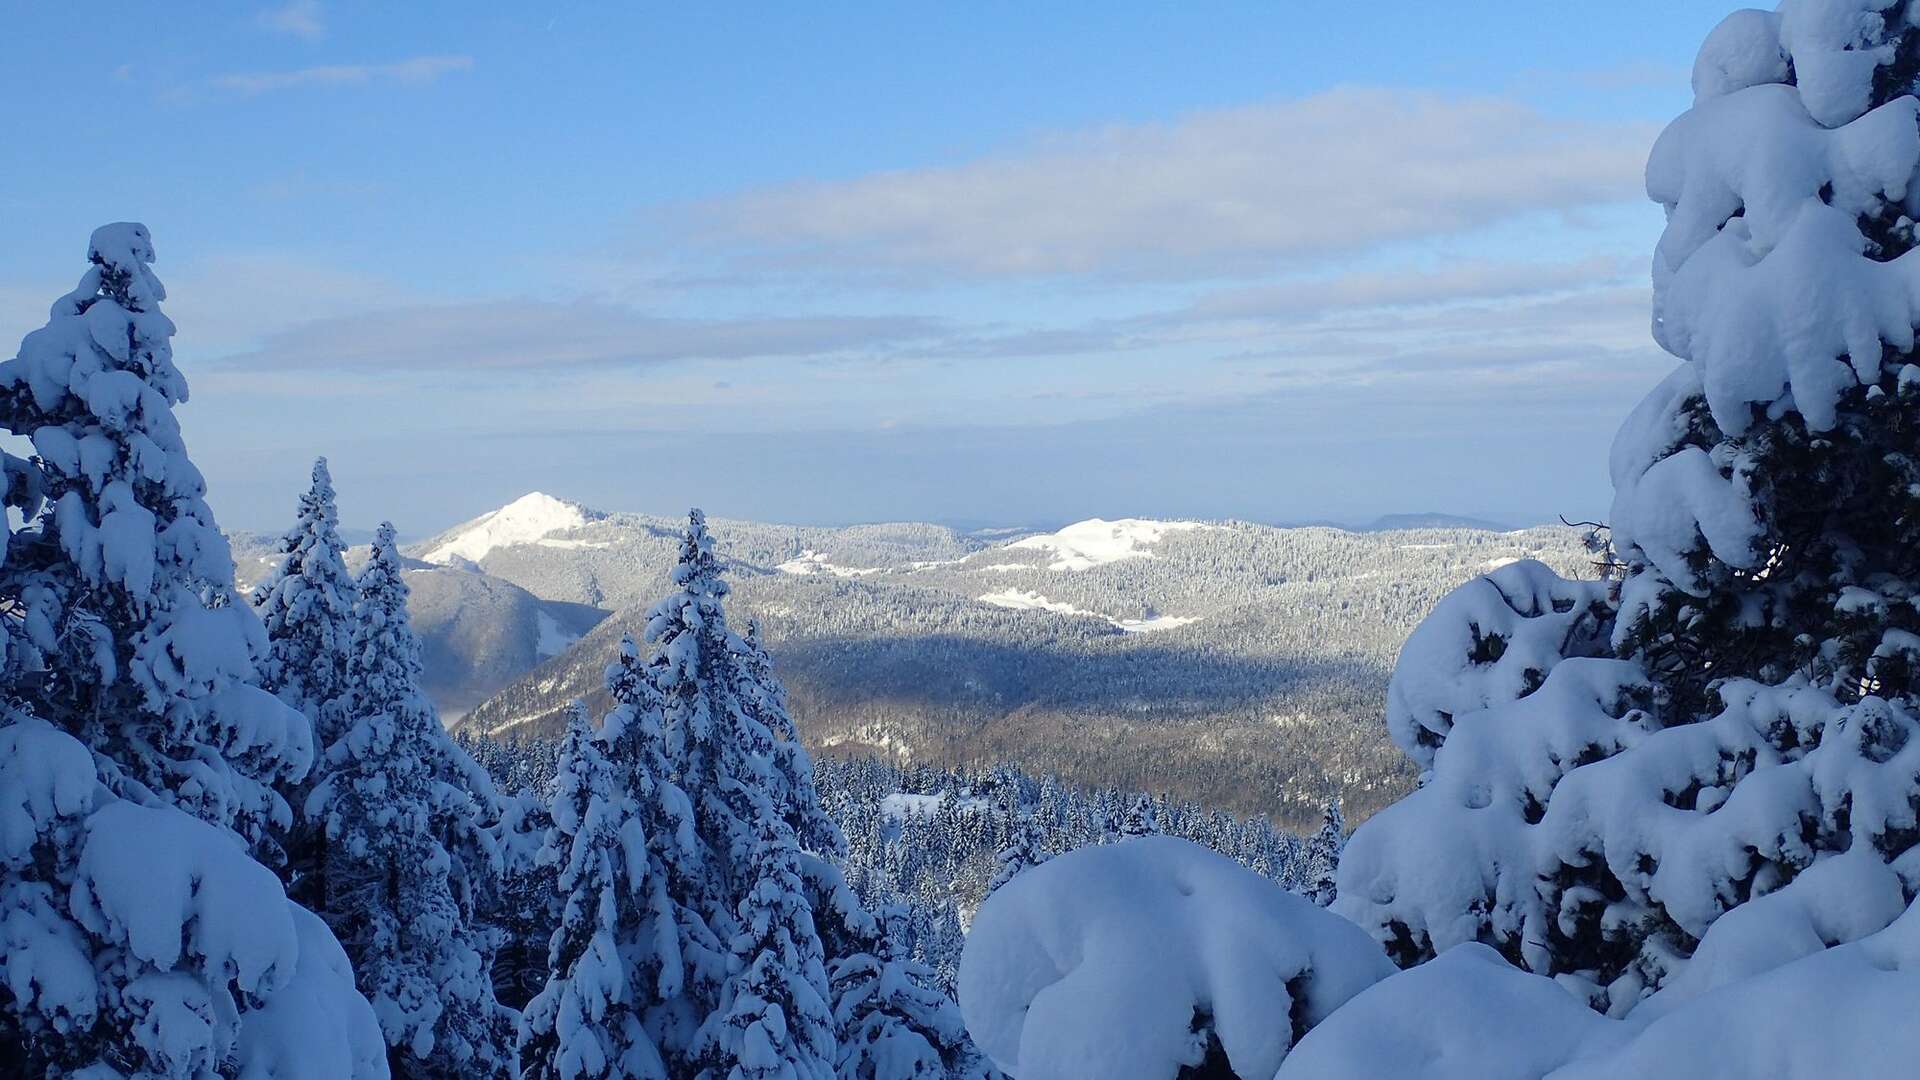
(1095, 542)
(529, 519)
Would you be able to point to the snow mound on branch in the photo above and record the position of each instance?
(1468, 1015)
(169, 885)
(1492, 640)
(1764, 276)
(317, 1027)
(1097, 542)
(1798, 1010)
(1569, 812)
(1744, 50)
(1124, 959)
(1844, 1011)
(526, 520)
(1668, 496)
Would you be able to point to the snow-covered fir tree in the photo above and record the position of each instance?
(389, 886)
(140, 938)
(307, 607)
(1140, 818)
(765, 699)
(528, 908)
(1622, 766)
(773, 1019)
(1323, 855)
(635, 733)
(140, 646)
(1026, 847)
(894, 1020)
(615, 954)
(721, 754)
(633, 969)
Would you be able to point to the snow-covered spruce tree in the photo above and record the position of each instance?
(140, 939)
(529, 898)
(1624, 767)
(140, 647)
(390, 893)
(307, 606)
(765, 699)
(750, 865)
(893, 1019)
(1026, 847)
(1323, 855)
(773, 1019)
(615, 954)
(1140, 819)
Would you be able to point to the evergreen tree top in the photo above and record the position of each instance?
(698, 570)
(317, 505)
(384, 645)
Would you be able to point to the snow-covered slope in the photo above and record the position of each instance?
(529, 519)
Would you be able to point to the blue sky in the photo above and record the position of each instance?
(987, 262)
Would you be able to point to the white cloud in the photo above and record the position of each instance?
(300, 18)
(415, 70)
(528, 334)
(1224, 190)
(1453, 282)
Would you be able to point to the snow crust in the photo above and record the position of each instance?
(1122, 959)
(529, 519)
(1097, 542)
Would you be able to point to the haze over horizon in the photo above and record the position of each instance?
(1068, 265)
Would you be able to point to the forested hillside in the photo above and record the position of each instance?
(1239, 665)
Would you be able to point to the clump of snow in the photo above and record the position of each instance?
(1131, 959)
(1492, 640)
(1763, 276)
(1571, 814)
(1468, 1015)
(1844, 1011)
(1744, 50)
(526, 520)
(1097, 542)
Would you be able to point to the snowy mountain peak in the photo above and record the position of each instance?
(525, 520)
(1097, 541)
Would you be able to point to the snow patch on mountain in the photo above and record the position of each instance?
(1097, 542)
(1017, 600)
(815, 562)
(902, 804)
(553, 638)
(526, 520)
